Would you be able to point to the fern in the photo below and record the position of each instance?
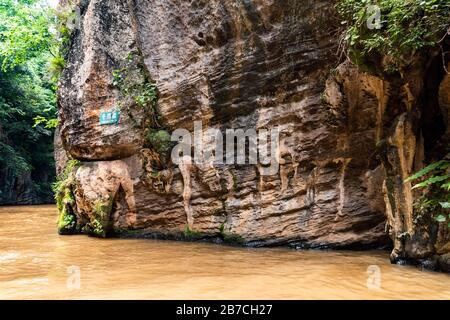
(430, 181)
(436, 199)
(425, 170)
(404, 28)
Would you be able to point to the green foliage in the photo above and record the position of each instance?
(97, 229)
(32, 30)
(436, 200)
(445, 205)
(25, 95)
(144, 94)
(160, 141)
(147, 96)
(66, 223)
(24, 33)
(67, 220)
(62, 179)
(431, 181)
(47, 123)
(27, 92)
(99, 226)
(194, 235)
(65, 199)
(65, 23)
(118, 79)
(133, 82)
(406, 27)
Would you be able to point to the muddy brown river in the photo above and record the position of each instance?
(37, 263)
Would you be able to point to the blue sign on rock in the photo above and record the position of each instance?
(111, 117)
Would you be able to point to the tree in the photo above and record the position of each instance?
(27, 94)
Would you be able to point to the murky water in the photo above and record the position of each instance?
(36, 263)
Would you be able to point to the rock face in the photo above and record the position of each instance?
(19, 190)
(230, 64)
(28, 188)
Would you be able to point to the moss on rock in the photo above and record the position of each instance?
(100, 225)
(65, 199)
(159, 140)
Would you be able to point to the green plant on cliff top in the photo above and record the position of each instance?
(147, 96)
(435, 180)
(25, 32)
(67, 221)
(405, 27)
(118, 78)
(133, 82)
(26, 92)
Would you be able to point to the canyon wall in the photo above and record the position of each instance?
(20, 190)
(30, 187)
(348, 139)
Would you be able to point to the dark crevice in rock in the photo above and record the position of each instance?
(433, 122)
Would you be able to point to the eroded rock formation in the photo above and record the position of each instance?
(348, 139)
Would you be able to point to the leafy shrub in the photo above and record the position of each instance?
(160, 141)
(137, 86)
(406, 27)
(436, 182)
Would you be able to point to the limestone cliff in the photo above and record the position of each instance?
(348, 139)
